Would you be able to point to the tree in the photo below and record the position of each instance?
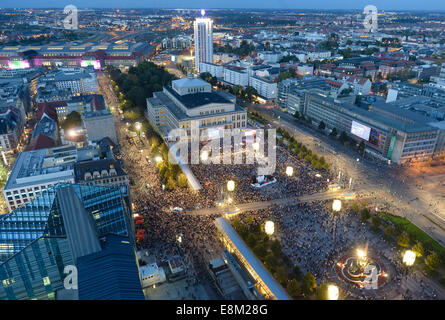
(403, 240)
(361, 147)
(281, 275)
(376, 221)
(355, 207)
(276, 247)
(343, 137)
(293, 288)
(309, 283)
(171, 184)
(250, 92)
(182, 180)
(321, 125)
(73, 119)
(389, 231)
(432, 261)
(364, 214)
(322, 292)
(418, 249)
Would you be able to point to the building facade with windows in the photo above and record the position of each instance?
(191, 100)
(69, 225)
(387, 130)
(203, 30)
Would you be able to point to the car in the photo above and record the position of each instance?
(177, 210)
(148, 186)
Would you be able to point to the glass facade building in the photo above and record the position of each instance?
(65, 223)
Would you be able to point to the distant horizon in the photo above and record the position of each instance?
(319, 5)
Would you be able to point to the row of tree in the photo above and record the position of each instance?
(171, 174)
(302, 152)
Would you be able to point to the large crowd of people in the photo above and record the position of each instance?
(312, 235)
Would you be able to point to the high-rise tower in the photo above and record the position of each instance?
(203, 40)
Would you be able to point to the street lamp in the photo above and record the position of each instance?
(230, 185)
(138, 126)
(336, 205)
(204, 155)
(269, 227)
(158, 159)
(409, 257)
(333, 292)
(289, 171)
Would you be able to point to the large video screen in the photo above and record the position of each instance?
(360, 130)
(374, 137)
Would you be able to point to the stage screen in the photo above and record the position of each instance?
(374, 137)
(18, 64)
(94, 63)
(360, 130)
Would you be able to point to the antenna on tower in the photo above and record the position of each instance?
(203, 12)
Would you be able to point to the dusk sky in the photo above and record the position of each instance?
(428, 5)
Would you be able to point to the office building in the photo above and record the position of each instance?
(85, 227)
(77, 80)
(235, 75)
(76, 54)
(214, 69)
(203, 28)
(99, 124)
(390, 132)
(265, 87)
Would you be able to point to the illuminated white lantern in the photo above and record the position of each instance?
(158, 159)
(230, 185)
(204, 156)
(336, 205)
(289, 171)
(409, 257)
(269, 227)
(333, 292)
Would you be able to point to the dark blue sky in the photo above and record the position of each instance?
(428, 5)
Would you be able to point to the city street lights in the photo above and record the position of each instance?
(158, 159)
(336, 205)
(230, 185)
(409, 257)
(289, 171)
(204, 156)
(333, 292)
(269, 227)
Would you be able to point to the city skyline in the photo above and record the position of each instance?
(398, 5)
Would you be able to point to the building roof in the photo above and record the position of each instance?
(190, 82)
(110, 274)
(40, 141)
(197, 99)
(80, 168)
